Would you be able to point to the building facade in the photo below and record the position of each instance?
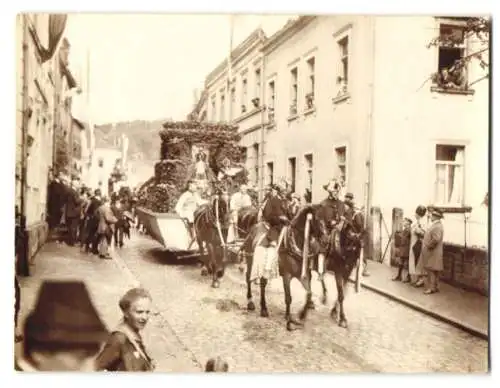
(235, 94)
(340, 101)
(38, 97)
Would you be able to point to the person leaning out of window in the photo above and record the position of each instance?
(124, 351)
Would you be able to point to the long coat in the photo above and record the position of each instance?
(432, 247)
(415, 264)
(106, 218)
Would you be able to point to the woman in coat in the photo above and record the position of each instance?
(124, 351)
(415, 267)
(106, 221)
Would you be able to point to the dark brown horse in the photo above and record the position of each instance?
(290, 260)
(211, 223)
(343, 255)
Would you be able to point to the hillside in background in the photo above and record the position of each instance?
(144, 139)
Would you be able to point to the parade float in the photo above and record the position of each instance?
(207, 153)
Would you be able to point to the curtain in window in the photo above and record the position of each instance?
(455, 179)
(440, 197)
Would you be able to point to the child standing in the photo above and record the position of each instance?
(402, 248)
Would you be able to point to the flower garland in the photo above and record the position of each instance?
(199, 126)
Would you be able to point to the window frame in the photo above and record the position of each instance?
(345, 164)
(294, 90)
(436, 163)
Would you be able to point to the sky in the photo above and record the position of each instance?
(146, 66)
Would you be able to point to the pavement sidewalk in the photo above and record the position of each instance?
(465, 310)
(106, 283)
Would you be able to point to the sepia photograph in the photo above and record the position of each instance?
(252, 193)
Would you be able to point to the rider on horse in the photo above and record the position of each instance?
(334, 216)
(264, 237)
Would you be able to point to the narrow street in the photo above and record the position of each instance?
(383, 336)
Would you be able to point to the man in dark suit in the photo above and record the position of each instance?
(73, 209)
(93, 222)
(55, 195)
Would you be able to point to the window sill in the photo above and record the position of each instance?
(309, 111)
(452, 208)
(293, 117)
(341, 98)
(271, 125)
(247, 114)
(465, 92)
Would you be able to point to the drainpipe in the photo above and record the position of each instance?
(262, 126)
(23, 265)
(369, 161)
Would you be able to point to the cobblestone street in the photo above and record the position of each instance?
(383, 335)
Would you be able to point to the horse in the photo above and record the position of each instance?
(343, 255)
(291, 261)
(211, 222)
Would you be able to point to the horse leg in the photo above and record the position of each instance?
(306, 283)
(263, 306)
(204, 269)
(335, 309)
(250, 304)
(341, 285)
(324, 296)
(215, 277)
(309, 303)
(288, 301)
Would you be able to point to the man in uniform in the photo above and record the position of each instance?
(333, 213)
(355, 216)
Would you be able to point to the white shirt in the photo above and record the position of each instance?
(240, 201)
(187, 205)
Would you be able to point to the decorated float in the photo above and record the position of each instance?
(206, 153)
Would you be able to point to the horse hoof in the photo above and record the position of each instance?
(311, 305)
(215, 284)
(241, 268)
(289, 326)
(343, 323)
(204, 272)
(303, 314)
(250, 306)
(323, 299)
(264, 313)
(333, 314)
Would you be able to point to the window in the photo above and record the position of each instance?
(309, 171)
(292, 172)
(294, 75)
(270, 173)
(222, 108)
(341, 154)
(343, 77)
(452, 46)
(244, 95)
(257, 83)
(256, 163)
(449, 184)
(272, 100)
(100, 162)
(310, 86)
(214, 110)
(233, 102)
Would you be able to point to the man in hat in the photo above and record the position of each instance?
(355, 216)
(333, 214)
(93, 222)
(73, 212)
(432, 251)
(64, 331)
